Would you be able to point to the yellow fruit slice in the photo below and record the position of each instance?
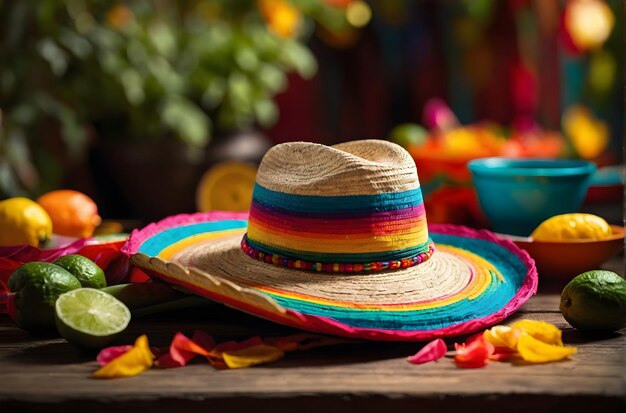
(23, 221)
(227, 186)
(572, 226)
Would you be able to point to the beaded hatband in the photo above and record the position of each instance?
(336, 267)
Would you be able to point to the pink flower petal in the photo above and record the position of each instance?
(106, 355)
(432, 351)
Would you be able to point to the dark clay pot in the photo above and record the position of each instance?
(148, 181)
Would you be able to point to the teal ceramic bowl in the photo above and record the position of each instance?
(516, 195)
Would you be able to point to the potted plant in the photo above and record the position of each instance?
(88, 74)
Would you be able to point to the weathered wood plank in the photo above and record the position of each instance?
(359, 368)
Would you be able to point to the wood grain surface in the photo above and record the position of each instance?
(48, 374)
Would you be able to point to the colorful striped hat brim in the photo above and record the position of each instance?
(472, 281)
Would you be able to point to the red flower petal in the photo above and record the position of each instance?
(184, 349)
(203, 340)
(502, 353)
(474, 353)
(432, 351)
(165, 361)
(234, 346)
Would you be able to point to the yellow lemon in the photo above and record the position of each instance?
(227, 186)
(572, 226)
(23, 221)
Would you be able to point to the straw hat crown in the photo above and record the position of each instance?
(355, 206)
(354, 168)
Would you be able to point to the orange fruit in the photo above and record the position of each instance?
(73, 213)
(227, 186)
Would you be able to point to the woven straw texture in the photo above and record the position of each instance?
(362, 167)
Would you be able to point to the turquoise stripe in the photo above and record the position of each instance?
(157, 243)
(348, 258)
(495, 297)
(337, 204)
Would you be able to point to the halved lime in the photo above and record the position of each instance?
(90, 318)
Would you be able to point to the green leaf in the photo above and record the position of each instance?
(137, 53)
(163, 38)
(297, 56)
(272, 78)
(133, 86)
(24, 114)
(239, 90)
(72, 132)
(168, 78)
(188, 122)
(246, 59)
(266, 112)
(76, 44)
(54, 55)
(111, 62)
(214, 93)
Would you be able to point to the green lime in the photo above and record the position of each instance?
(37, 285)
(595, 301)
(87, 271)
(408, 134)
(90, 318)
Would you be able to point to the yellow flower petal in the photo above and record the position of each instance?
(534, 351)
(246, 357)
(503, 336)
(542, 331)
(133, 362)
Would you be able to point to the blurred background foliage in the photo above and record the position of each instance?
(80, 70)
(80, 73)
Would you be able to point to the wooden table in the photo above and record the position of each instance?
(48, 374)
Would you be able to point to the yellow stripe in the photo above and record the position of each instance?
(374, 244)
(170, 251)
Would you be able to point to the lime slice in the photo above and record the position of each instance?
(90, 318)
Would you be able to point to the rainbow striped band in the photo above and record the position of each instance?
(339, 231)
(335, 267)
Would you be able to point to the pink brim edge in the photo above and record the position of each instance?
(327, 325)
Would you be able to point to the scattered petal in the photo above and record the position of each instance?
(533, 350)
(135, 361)
(183, 349)
(474, 353)
(204, 340)
(432, 351)
(542, 331)
(503, 336)
(234, 346)
(106, 355)
(502, 353)
(165, 361)
(250, 356)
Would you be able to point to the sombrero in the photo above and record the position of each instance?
(336, 241)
